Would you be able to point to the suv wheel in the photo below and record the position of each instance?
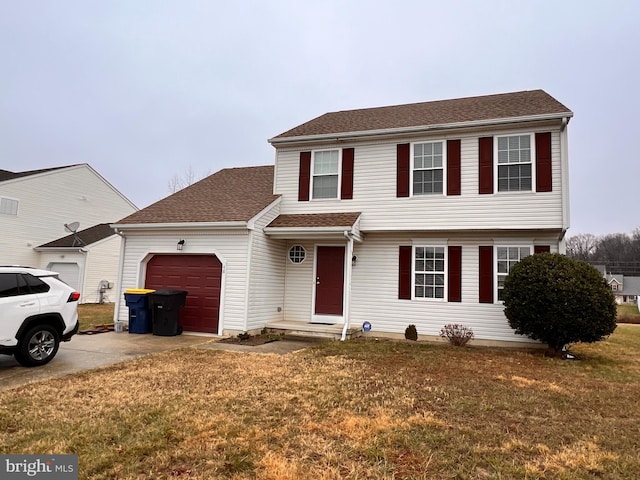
(38, 346)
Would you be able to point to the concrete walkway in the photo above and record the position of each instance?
(85, 352)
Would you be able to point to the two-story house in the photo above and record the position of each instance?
(41, 209)
(380, 217)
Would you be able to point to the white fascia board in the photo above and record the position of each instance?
(306, 232)
(62, 249)
(178, 226)
(252, 221)
(417, 129)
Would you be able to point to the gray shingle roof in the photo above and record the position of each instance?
(230, 195)
(441, 112)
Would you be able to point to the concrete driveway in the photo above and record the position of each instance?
(85, 352)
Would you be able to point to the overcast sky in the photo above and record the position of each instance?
(143, 90)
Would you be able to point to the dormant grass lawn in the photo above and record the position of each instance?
(358, 409)
(92, 314)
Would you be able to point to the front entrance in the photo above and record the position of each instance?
(329, 280)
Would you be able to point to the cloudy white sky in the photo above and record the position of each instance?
(143, 90)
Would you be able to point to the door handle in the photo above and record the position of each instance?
(317, 280)
(28, 304)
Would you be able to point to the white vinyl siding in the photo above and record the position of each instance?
(299, 286)
(374, 192)
(428, 160)
(101, 264)
(266, 282)
(231, 248)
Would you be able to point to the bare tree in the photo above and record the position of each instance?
(184, 179)
(582, 246)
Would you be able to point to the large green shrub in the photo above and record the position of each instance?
(558, 300)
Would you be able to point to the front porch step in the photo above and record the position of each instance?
(317, 330)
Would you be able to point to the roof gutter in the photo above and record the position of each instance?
(61, 249)
(418, 129)
(119, 227)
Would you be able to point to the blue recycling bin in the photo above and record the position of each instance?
(137, 299)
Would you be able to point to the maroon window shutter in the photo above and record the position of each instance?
(541, 249)
(453, 167)
(402, 188)
(485, 173)
(346, 191)
(455, 273)
(404, 277)
(304, 177)
(486, 275)
(543, 162)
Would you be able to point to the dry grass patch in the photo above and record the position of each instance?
(91, 314)
(358, 409)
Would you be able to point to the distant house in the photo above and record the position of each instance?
(370, 219)
(626, 289)
(36, 205)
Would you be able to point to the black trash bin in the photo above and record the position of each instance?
(165, 308)
(139, 313)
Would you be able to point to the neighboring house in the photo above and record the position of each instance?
(87, 260)
(36, 205)
(626, 289)
(409, 214)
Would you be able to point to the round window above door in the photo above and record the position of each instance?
(297, 254)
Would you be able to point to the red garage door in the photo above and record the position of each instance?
(201, 276)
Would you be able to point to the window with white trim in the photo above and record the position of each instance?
(515, 165)
(325, 173)
(429, 272)
(428, 168)
(8, 206)
(297, 254)
(507, 257)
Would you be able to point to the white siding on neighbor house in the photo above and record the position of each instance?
(47, 202)
(374, 190)
(266, 279)
(375, 286)
(102, 264)
(231, 247)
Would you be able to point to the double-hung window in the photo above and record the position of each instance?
(507, 257)
(325, 174)
(428, 168)
(429, 272)
(515, 166)
(8, 206)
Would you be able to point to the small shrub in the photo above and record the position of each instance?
(411, 333)
(458, 335)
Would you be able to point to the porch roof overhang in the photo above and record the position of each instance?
(316, 226)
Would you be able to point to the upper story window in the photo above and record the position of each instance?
(325, 173)
(614, 287)
(515, 166)
(8, 206)
(429, 268)
(428, 168)
(507, 258)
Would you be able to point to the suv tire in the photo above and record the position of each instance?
(38, 346)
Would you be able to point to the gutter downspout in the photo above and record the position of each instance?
(116, 310)
(564, 162)
(347, 296)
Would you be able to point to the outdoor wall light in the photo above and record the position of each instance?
(180, 245)
(354, 259)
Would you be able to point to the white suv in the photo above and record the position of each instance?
(37, 312)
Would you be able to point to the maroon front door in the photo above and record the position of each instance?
(200, 276)
(329, 280)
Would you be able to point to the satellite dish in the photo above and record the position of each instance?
(72, 227)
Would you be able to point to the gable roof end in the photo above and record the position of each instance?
(534, 103)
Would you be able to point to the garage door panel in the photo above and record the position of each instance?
(200, 276)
